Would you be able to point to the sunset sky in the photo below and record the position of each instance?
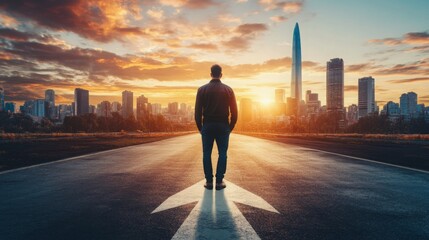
(164, 49)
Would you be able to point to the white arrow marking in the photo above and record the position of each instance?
(215, 216)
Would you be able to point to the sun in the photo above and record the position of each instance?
(265, 101)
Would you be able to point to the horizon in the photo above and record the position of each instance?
(164, 50)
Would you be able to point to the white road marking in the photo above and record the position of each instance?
(62, 160)
(369, 160)
(83, 156)
(215, 216)
(341, 155)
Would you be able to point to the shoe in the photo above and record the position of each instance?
(208, 185)
(220, 185)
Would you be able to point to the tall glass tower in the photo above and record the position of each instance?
(296, 66)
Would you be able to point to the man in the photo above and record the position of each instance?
(213, 105)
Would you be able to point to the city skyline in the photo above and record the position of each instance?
(164, 50)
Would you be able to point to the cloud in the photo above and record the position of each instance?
(229, 18)
(98, 20)
(350, 88)
(409, 80)
(411, 38)
(21, 87)
(278, 18)
(416, 38)
(16, 35)
(414, 68)
(312, 83)
(191, 4)
(245, 34)
(359, 67)
(204, 46)
(99, 65)
(157, 14)
(292, 7)
(285, 6)
(7, 21)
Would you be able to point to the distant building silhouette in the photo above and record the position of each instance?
(392, 110)
(366, 96)
(182, 109)
(92, 109)
(408, 105)
(280, 95)
(296, 79)
(127, 104)
(142, 107)
(104, 109)
(280, 102)
(246, 111)
(173, 108)
(64, 110)
(291, 106)
(10, 107)
(40, 107)
(156, 108)
(1, 98)
(335, 84)
(81, 102)
(50, 99)
(116, 107)
(352, 114)
(312, 103)
(335, 89)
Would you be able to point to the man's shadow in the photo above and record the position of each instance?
(215, 219)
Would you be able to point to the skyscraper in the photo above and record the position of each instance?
(335, 85)
(352, 114)
(81, 101)
(50, 99)
(280, 95)
(142, 108)
(392, 110)
(182, 109)
(116, 107)
(296, 79)
(1, 98)
(408, 104)
(127, 104)
(173, 108)
(50, 96)
(366, 95)
(312, 102)
(10, 107)
(156, 108)
(104, 109)
(39, 108)
(246, 111)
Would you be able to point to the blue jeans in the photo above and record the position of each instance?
(210, 132)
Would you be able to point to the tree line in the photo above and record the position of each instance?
(21, 123)
(324, 123)
(331, 123)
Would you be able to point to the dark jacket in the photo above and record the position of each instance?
(215, 101)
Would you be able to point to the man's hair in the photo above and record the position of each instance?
(216, 70)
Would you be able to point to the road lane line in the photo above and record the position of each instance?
(66, 159)
(342, 155)
(80, 156)
(369, 160)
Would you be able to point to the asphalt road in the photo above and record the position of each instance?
(274, 191)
